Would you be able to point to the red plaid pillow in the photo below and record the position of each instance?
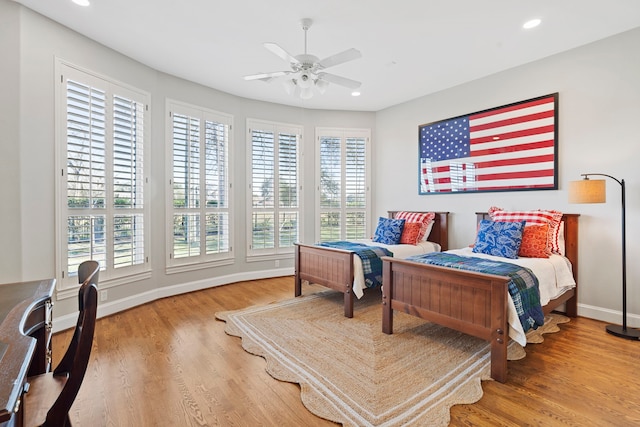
(423, 218)
(539, 217)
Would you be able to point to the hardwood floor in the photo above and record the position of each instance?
(169, 363)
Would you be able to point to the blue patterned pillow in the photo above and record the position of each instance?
(499, 238)
(389, 231)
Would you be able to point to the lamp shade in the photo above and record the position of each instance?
(588, 191)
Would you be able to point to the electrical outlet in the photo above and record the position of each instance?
(103, 295)
(277, 263)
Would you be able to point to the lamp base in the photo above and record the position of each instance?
(628, 333)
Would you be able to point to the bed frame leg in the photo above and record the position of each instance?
(499, 330)
(296, 279)
(387, 318)
(499, 357)
(387, 287)
(348, 303)
(571, 306)
(298, 285)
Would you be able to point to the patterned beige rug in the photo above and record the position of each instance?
(351, 373)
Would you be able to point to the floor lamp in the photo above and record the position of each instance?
(594, 191)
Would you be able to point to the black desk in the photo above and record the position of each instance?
(25, 341)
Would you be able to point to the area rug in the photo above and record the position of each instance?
(351, 373)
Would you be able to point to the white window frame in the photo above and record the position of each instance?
(260, 254)
(110, 275)
(174, 263)
(343, 134)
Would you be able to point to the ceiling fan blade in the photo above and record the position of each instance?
(277, 50)
(339, 58)
(266, 76)
(342, 81)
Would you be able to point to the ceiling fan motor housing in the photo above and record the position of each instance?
(306, 62)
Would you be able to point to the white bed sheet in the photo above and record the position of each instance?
(554, 278)
(399, 251)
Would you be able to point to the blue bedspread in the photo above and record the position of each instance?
(370, 256)
(523, 286)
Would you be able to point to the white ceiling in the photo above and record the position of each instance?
(410, 48)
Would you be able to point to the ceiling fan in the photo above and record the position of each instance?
(307, 71)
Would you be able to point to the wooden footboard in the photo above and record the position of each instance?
(472, 303)
(469, 302)
(328, 267)
(334, 269)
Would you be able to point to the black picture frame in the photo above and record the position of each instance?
(513, 147)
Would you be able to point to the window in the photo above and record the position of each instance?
(343, 184)
(274, 201)
(199, 187)
(102, 196)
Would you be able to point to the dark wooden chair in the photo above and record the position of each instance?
(50, 396)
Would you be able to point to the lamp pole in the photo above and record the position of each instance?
(617, 330)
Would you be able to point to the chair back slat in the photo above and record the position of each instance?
(74, 363)
(58, 415)
(88, 272)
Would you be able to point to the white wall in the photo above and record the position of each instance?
(10, 242)
(599, 111)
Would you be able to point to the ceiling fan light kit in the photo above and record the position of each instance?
(307, 71)
(305, 81)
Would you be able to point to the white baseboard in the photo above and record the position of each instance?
(105, 309)
(609, 316)
(108, 308)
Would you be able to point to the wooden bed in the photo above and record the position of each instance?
(472, 303)
(334, 269)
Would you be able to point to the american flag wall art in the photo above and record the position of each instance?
(508, 148)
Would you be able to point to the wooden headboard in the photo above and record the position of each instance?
(439, 232)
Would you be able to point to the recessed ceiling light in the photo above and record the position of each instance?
(531, 24)
(355, 93)
(81, 2)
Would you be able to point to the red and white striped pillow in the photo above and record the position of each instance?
(425, 218)
(537, 217)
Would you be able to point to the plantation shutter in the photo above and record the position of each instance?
(288, 190)
(216, 183)
(86, 175)
(262, 182)
(101, 132)
(274, 205)
(342, 184)
(330, 188)
(186, 186)
(200, 186)
(355, 188)
(128, 182)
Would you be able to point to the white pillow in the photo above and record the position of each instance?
(561, 238)
(428, 231)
